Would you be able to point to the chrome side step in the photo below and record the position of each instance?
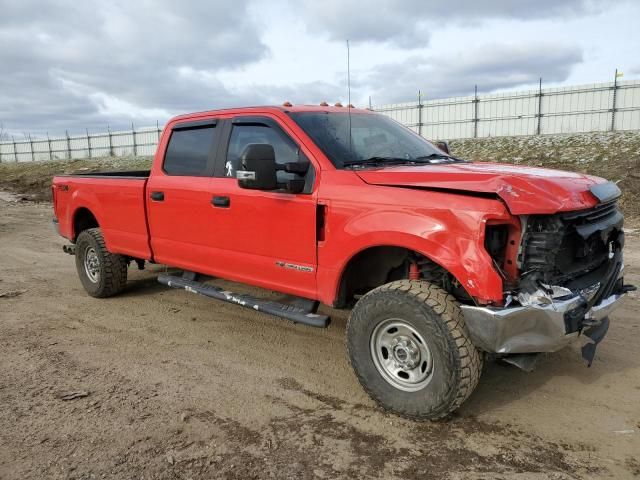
(297, 314)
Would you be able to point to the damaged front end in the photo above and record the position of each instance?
(570, 279)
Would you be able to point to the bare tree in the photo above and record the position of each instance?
(4, 136)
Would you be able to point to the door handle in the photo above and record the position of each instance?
(222, 202)
(157, 196)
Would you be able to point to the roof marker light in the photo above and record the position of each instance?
(287, 104)
(337, 104)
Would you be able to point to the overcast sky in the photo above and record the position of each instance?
(73, 64)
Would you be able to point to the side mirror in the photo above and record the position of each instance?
(444, 146)
(299, 168)
(259, 168)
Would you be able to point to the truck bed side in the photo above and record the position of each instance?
(114, 201)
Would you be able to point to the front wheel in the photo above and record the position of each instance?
(102, 273)
(411, 351)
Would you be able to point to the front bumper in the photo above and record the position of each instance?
(534, 328)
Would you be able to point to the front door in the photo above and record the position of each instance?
(267, 238)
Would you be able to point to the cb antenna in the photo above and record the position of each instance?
(349, 96)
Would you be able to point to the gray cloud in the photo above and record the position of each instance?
(69, 64)
(94, 61)
(409, 23)
(491, 67)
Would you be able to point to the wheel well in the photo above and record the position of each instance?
(83, 220)
(376, 266)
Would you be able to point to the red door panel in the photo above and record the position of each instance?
(178, 223)
(266, 238)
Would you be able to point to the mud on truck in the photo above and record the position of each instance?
(442, 261)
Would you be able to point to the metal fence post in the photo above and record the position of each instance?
(539, 126)
(15, 152)
(476, 100)
(135, 146)
(33, 158)
(158, 128)
(49, 144)
(613, 106)
(88, 141)
(66, 132)
(110, 142)
(419, 113)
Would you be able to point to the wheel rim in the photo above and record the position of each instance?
(92, 264)
(401, 355)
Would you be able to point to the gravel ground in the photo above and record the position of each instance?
(156, 383)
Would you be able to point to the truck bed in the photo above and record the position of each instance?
(113, 200)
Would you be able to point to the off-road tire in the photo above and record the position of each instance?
(436, 315)
(112, 268)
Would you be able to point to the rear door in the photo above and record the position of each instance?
(178, 196)
(268, 238)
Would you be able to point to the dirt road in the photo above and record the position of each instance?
(180, 386)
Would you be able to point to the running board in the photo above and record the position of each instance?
(289, 312)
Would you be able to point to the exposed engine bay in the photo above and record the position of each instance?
(570, 252)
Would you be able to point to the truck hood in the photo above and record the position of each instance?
(525, 190)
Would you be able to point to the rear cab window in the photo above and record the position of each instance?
(191, 149)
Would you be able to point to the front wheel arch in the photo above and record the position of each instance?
(377, 265)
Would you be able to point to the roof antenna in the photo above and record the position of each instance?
(349, 97)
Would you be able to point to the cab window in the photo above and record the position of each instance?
(245, 134)
(189, 151)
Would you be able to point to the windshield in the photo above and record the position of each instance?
(373, 137)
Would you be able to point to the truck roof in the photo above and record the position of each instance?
(273, 108)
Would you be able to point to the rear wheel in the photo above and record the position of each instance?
(102, 273)
(411, 351)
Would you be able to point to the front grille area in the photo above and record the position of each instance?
(569, 249)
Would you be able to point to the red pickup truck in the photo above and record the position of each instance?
(443, 261)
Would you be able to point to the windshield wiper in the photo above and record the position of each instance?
(439, 156)
(379, 161)
(428, 159)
